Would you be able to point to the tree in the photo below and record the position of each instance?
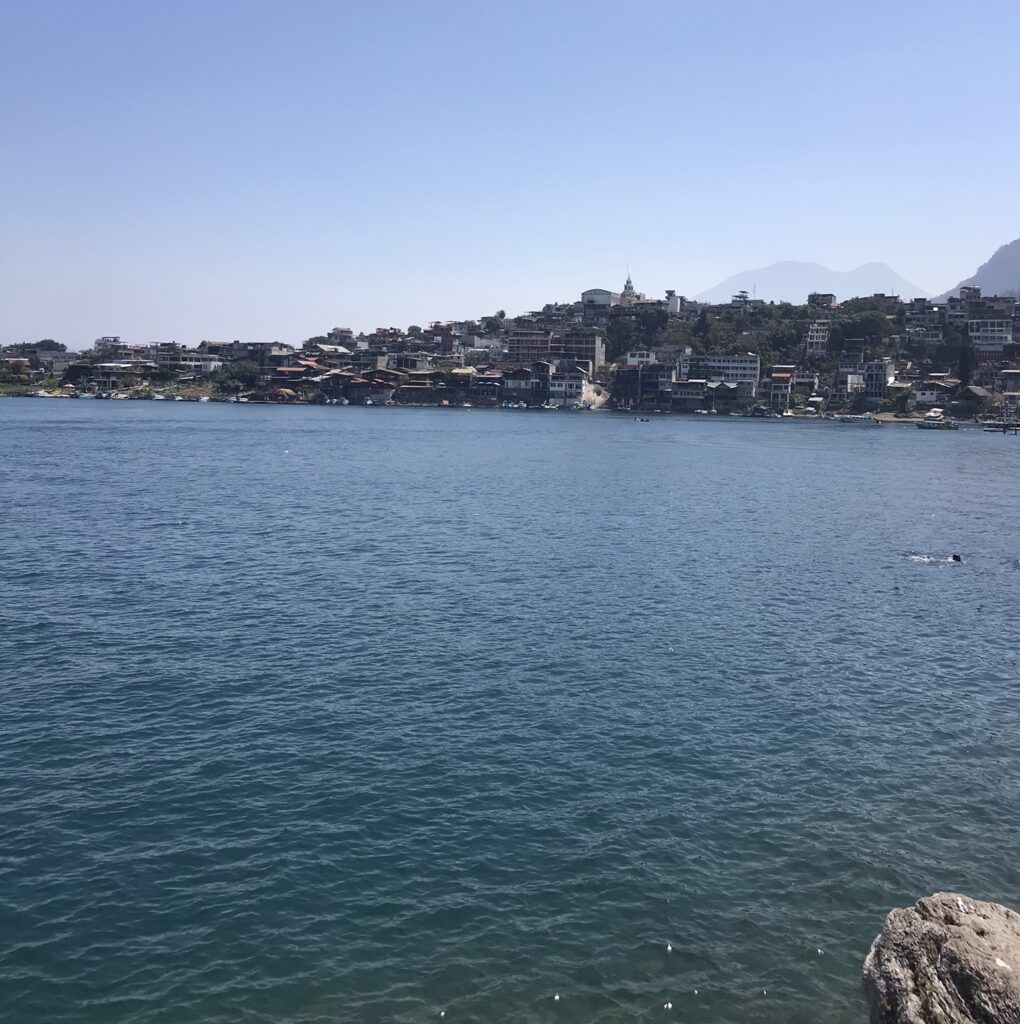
(76, 373)
(650, 322)
(861, 325)
(676, 335)
(414, 331)
(702, 325)
(966, 363)
(235, 376)
(621, 337)
(492, 324)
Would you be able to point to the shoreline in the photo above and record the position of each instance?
(642, 415)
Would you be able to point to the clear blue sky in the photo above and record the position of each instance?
(226, 169)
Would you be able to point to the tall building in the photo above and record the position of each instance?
(527, 342)
(817, 342)
(584, 345)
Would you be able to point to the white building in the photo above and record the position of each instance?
(817, 342)
(990, 335)
(572, 390)
(878, 375)
(599, 297)
(743, 369)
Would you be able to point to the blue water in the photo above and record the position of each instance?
(316, 714)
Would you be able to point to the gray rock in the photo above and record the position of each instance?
(946, 960)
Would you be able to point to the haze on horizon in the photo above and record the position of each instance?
(261, 170)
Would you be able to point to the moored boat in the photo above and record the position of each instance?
(864, 419)
(935, 419)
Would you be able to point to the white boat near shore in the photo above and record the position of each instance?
(864, 419)
(935, 419)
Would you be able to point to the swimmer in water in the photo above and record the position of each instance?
(957, 558)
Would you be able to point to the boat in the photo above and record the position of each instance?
(935, 419)
(864, 419)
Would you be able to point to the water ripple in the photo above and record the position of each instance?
(318, 715)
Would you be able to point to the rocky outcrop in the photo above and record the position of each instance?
(946, 960)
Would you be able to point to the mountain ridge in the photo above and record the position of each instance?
(998, 275)
(793, 280)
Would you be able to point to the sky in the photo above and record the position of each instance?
(269, 170)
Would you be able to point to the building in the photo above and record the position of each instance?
(119, 376)
(341, 336)
(990, 337)
(630, 297)
(847, 384)
(922, 313)
(932, 393)
(570, 389)
(926, 338)
(878, 375)
(805, 382)
(1011, 407)
(585, 345)
(528, 343)
(688, 395)
(778, 387)
(1008, 380)
(822, 300)
(168, 355)
(743, 369)
(816, 344)
(644, 385)
(411, 361)
(599, 297)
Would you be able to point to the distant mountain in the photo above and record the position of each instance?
(999, 276)
(791, 281)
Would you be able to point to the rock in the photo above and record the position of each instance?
(946, 960)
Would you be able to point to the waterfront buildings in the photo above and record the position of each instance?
(669, 353)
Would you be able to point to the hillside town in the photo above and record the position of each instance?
(614, 350)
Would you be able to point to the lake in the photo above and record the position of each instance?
(352, 714)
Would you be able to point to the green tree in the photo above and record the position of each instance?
(621, 337)
(703, 325)
(650, 322)
(414, 331)
(236, 376)
(966, 363)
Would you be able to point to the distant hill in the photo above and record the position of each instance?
(999, 276)
(791, 281)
